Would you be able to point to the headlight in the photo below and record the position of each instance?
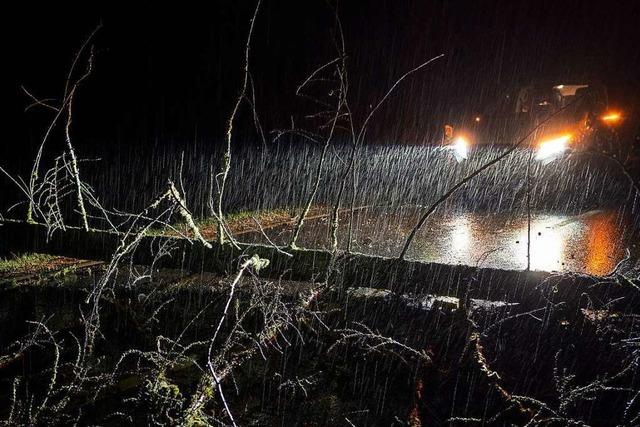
(460, 148)
(611, 118)
(550, 149)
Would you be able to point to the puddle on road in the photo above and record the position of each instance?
(593, 242)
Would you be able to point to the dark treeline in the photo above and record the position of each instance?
(172, 75)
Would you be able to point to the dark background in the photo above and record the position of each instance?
(166, 76)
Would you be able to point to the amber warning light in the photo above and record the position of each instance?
(611, 118)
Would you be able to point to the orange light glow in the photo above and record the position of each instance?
(611, 118)
(477, 119)
(602, 251)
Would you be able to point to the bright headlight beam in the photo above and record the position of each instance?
(461, 148)
(552, 148)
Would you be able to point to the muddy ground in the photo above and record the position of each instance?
(304, 353)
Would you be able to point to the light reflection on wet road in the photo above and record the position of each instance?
(586, 244)
(592, 243)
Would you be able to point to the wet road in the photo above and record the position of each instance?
(593, 242)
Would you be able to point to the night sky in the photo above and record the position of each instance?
(162, 75)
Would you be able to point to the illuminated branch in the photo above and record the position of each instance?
(65, 101)
(67, 132)
(221, 177)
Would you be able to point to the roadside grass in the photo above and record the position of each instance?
(24, 262)
(239, 222)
